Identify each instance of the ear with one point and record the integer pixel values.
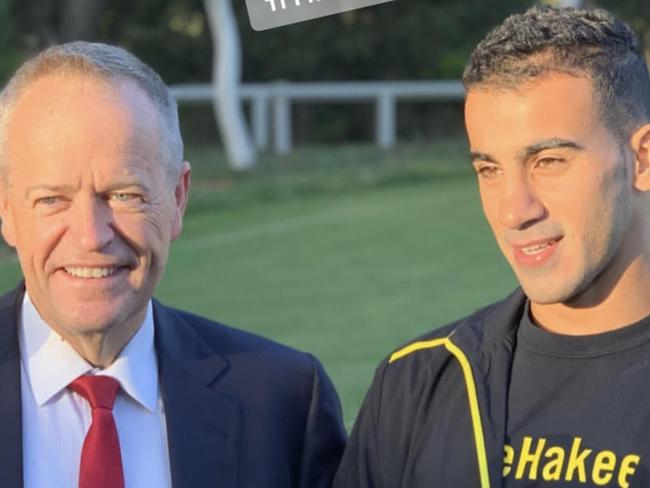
(6, 220)
(181, 192)
(640, 142)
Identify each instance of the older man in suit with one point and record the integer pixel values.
(101, 385)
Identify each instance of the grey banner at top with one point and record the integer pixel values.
(266, 14)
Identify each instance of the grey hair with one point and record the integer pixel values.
(589, 43)
(110, 63)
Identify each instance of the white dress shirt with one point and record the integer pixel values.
(55, 420)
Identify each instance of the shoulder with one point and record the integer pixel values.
(478, 330)
(421, 361)
(423, 350)
(12, 298)
(416, 412)
(283, 395)
(247, 354)
(226, 338)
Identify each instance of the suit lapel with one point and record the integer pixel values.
(11, 442)
(203, 426)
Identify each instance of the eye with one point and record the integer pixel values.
(47, 201)
(487, 171)
(550, 165)
(545, 162)
(123, 197)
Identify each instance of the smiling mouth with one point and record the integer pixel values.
(537, 248)
(90, 273)
(535, 253)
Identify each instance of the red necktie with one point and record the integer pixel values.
(101, 461)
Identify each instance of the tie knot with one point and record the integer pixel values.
(99, 391)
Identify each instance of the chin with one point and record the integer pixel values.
(89, 320)
(89, 325)
(549, 293)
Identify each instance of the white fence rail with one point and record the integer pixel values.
(279, 96)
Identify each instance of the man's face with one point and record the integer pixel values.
(89, 204)
(555, 186)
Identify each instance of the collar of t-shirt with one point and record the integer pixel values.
(536, 339)
(51, 363)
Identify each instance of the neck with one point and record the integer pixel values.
(593, 311)
(101, 350)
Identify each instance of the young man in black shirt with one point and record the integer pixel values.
(548, 387)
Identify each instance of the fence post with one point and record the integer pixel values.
(282, 137)
(385, 125)
(260, 119)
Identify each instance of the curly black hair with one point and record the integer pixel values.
(590, 43)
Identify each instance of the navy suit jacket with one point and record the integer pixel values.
(241, 411)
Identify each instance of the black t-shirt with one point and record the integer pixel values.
(579, 409)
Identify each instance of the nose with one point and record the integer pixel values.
(92, 224)
(520, 206)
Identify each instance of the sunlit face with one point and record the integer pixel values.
(89, 205)
(555, 185)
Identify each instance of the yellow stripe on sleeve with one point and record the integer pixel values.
(416, 346)
(477, 425)
(479, 439)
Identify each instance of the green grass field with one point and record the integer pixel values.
(344, 252)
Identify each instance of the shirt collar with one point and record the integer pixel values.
(51, 363)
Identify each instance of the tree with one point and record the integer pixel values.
(68, 20)
(226, 78)
(80, 19)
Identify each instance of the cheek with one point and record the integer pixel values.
(158, 223)
(594, 214)
(490, 205)
(611, 221)
(145, 232)
(38, 236)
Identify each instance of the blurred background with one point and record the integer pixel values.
(354, 223)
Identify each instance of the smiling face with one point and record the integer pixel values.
(88, 203)
(555, 185)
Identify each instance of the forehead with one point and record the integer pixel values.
(60, 117)
(58, 98)
(554, 106)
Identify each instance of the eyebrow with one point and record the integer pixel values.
(479, 156)
(50, 188)
(552, 143)
(528, 151)
(126, 184)
(65, 189)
